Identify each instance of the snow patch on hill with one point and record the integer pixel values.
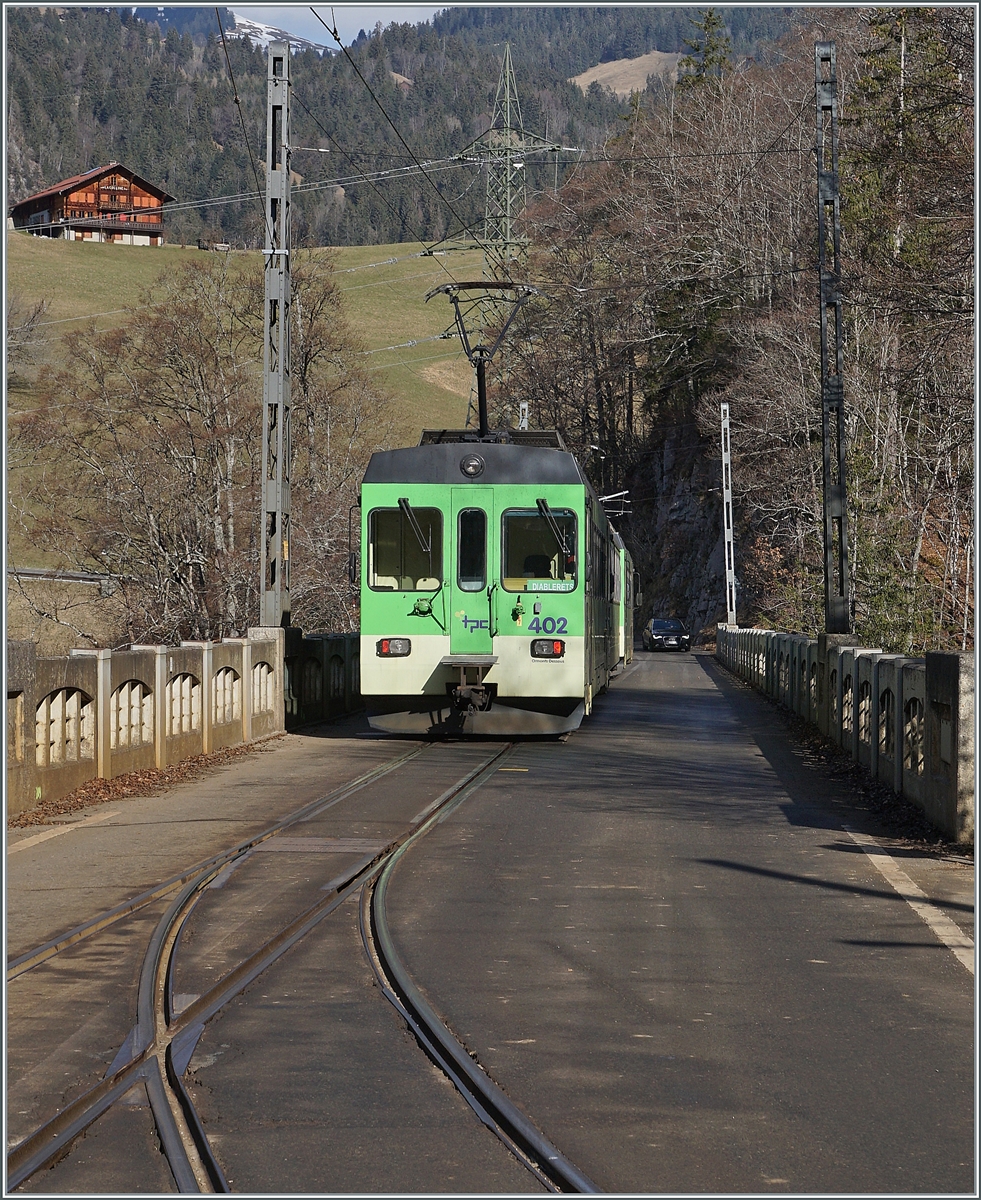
(261, 35)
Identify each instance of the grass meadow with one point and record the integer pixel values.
(383, 289)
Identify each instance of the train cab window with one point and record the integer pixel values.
(471, 554)
(535, 560)
(402, 558)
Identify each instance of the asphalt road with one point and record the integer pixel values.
(659, 940)
(655, 935)
(67, 1018)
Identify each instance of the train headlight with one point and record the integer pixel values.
(393, 647)
(547, 648)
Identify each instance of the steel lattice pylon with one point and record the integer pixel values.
(506, 143)
(502, 150)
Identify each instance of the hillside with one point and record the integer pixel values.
(101, 286)
(90, 86)
(87, 86)
(572, 40)
(383, 288)
(626, 75)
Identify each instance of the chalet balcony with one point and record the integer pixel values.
(109, 203)
(111, 224)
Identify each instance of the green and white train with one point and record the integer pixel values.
(496, 598)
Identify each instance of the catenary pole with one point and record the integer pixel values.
(837, 597)
(276, 450)
(727, 520)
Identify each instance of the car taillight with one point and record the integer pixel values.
(547, 648)
(393, 647)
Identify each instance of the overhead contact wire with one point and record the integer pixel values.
(643, 285)
(442, 164)
(428, 246)
(385, 200)
(464, 225)
(241, 118)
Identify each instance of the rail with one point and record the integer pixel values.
(159, 1048)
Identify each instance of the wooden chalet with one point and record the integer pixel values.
(108, 204)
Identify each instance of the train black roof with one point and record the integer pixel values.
(518, 437)
(502, 463)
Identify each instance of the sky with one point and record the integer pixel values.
(350, 18)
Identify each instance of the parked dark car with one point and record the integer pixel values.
(666, 633)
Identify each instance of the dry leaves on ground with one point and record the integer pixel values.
(137, 783)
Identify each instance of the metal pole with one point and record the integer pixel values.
(837, 594)
(482, 395)
(727, 520)
(274, 607)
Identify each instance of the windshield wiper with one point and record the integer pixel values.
(557, 533)
(410, 516)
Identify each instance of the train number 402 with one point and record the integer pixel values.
(547, 625)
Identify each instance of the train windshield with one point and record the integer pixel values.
(534, 559)
(402, 558)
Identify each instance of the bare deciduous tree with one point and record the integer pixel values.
(681, 273)
(146, 447)
(25, 337)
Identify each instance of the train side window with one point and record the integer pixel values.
(397, 562)
(533, 559)
(471, 555)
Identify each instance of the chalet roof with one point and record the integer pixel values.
(75, 181)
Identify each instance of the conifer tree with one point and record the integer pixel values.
(709, 52)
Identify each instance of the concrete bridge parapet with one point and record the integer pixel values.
(908, 721)
(104, 713)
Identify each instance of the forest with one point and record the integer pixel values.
(681, 274)
(570, 40)
(89, 86)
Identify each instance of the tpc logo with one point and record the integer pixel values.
(472, 623)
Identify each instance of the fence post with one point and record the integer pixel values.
(160, 704)
(949, 718)
(103, 719)
(900, 702)
(246, 645)
(207, 697)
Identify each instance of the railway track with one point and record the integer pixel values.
(158, 1049)
(491, 1105)
(32, 958)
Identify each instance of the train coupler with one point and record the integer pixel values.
(472, 696)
